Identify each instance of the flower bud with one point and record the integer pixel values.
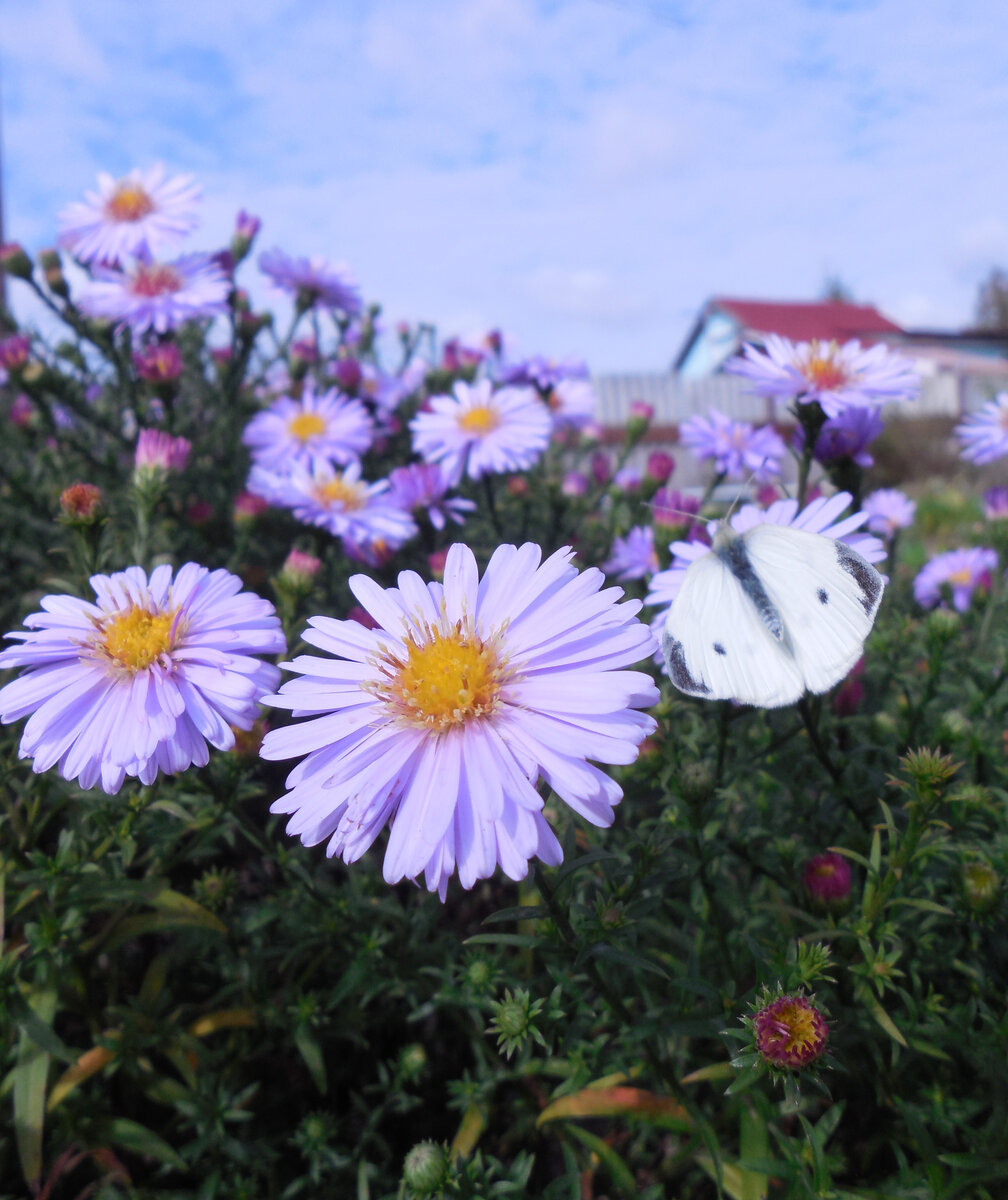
(517, 485)
(981, 886)
(790, 1033)
(80, 504)
(660, 466)
(14, 351)
(248, 506)
(347, 373)
(157, 454)
(299, 570)
(52, 269)
(14, 261)
(245, 231)
(575, 483)
(425, 1170)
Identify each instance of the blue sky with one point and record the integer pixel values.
(580, 173)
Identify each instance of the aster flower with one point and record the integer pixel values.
(984, 434)
(481, 431)
(571, 403)
(141, 215)
(317, 427)
(827, 879)
(421, 487)
(791, 1033)
(362, 515)
(846, 435)
(160, 362)
(157, 295)
(737, 448)
(822, 516)
(441, 720)
(315, 282)
(14, 351)
(838, 377)
(141, 680)
(996, 503)
(962, 571)
(889, 510)
(673, 508)
(541, 372)
(633, 556)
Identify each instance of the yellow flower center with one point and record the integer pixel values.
(448, 678)
(341, 493)
(960, 578)
(306, 425)
(135, 638)
(796, 1024)
(825, 870)
(480, 420)
(822, 370)
(129, 202)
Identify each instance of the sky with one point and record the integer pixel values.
(581, 174)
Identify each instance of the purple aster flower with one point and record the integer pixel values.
(387, 392)
(575, 483)
(157, 295)
(889, 510)
(633, 556)
(846, 436)
(139, 681)
(324, 427)
(421, 487)
(481, 431)
(142, 215)
(838, 377)
(822, 516)
(571, 403)
(962, 571)
(315, 282)
(673, 508)
(362, 515)
(827, 879)
(996, 504)
(984, 434)
(441, 720)
(542, 372)
(738, 449)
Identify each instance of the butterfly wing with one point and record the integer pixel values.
(717, 646)
(827, 596)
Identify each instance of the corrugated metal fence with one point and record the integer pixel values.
(674, 399)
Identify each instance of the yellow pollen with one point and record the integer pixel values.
(338, 491)
(305, 425)
(962, 577)
(448, 679)
(129, 202)
(822, 370)
(135, 638)
(480, 420)
(824, 869)
(797, 1023)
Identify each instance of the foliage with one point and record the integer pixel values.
(195, 1006)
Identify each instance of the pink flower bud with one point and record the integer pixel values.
(660, 466)
(827, 879)
(790, 1032)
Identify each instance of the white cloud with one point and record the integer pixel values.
(584, 174)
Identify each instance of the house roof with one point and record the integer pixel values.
(802, 321)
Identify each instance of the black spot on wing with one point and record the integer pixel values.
(869, 581)
(823, 596)
(735, 557)
(719, 649)
(679, 673)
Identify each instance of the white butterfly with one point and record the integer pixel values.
(768, 615)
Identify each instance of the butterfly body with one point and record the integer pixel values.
(768, 615)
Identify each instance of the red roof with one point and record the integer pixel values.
(831, 320)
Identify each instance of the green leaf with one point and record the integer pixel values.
(311, 1052)
(619, 1172)
(30, 1089)
(131, 1135)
